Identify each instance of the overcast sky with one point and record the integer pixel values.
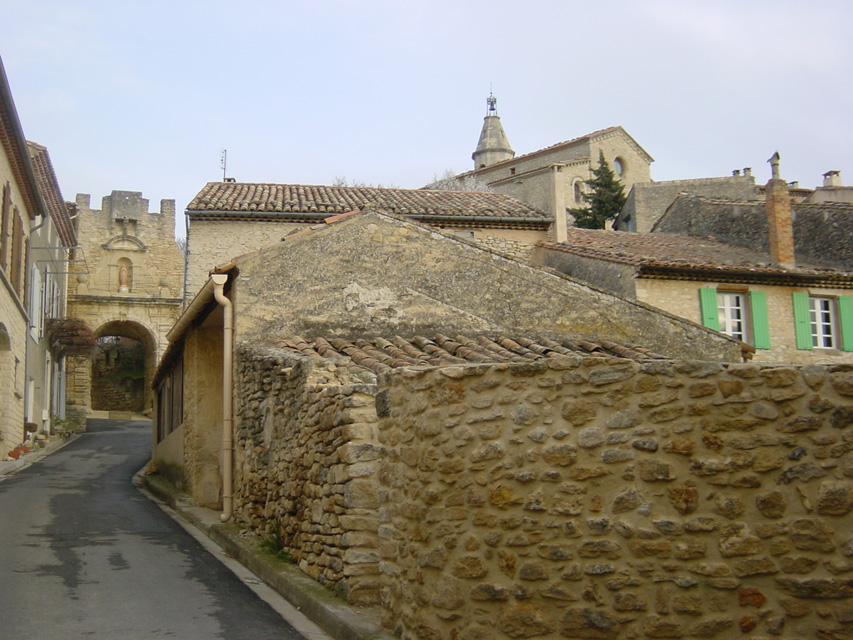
(144, 95)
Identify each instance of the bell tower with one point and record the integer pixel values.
(493, 146)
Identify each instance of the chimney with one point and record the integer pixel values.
(747, 171)
(735, 172)
(779, 217)
(558, 203)
(832, 179)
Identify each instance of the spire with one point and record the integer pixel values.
(493, 145)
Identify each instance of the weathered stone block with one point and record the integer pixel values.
(526, 620)
(834, 498)
(823, 588)
(653, 471)
(589, 624)
(808, 534)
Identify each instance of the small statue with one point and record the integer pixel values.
(122, 280)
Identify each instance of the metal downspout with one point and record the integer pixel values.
(219, 280)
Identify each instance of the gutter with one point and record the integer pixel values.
(213, 289)
(199, 302)
(219, 280)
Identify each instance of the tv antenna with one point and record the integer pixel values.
(224, 162)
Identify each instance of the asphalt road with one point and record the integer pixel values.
(83, 554)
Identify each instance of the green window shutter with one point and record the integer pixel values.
(760, 324)
(708, 303)
(802, 320)
(845, 317)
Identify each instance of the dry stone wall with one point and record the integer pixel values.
(569, 498)
(306, 467)
(582, 499)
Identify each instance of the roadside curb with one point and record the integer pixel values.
(8, 468)
(322, 607)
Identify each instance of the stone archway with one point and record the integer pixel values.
(122, 367)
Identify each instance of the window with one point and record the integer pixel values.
(823, 322)
(170, 400)
(15, 266)
(578, 194)
(731, 308)
(618, 166)
(739, 314)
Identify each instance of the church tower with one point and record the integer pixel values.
(493, 146)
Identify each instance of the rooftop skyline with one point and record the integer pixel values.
(145, 96)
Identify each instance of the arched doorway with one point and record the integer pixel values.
(122, 367)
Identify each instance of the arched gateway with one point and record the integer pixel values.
(127, 291)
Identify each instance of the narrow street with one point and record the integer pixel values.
(85, 555)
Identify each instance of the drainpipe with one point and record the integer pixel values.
(219, 280)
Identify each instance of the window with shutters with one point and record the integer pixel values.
(15, 267)
(739, 314)
(823, 322)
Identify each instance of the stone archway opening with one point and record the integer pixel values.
(122, 367)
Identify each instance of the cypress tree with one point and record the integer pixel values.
(603, 194)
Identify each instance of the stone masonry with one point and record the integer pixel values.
(130, 281)
(572, 497)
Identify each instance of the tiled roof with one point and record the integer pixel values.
(50, 191)
(380, 355)
(675, 251)
(277, 200)
(14, 144)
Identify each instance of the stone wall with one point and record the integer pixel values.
(574, 497)
(306, 467)
(618, 500)
(145, 302)
(647, 201)
(821, 231)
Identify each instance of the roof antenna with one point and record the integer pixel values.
(223, 162)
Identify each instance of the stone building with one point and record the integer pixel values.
(494, 456)
(51, 241)
(366, 275)
(774, 274)
(551, 179)
(228, 219)
(647, 201)
(130, 286)
(34, 233)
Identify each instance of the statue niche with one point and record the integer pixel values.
(125, 275)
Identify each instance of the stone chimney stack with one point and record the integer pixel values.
(832, 179)
(780, 221)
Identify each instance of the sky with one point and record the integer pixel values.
(144, 95)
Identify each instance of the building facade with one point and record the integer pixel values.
(775, 274)
(51, 241)
(22, 208)
(552, 179)
(228, 219)
(128, 286)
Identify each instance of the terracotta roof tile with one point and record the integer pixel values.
(278, 200)
(53, 199)
(385, 354)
